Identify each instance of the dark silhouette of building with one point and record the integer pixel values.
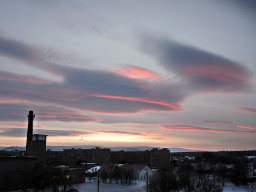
(18, 172)
(130, 156)
(36, 143)
(54, 158)
(73, 157)
(154, 158)
(159, 158)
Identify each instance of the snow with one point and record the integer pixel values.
(229, 187)
(92, 187)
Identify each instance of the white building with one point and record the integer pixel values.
(141, 171)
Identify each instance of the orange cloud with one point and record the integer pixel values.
(138, 73)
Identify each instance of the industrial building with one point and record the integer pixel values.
(36, 143)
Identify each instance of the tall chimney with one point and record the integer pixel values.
(31, 116)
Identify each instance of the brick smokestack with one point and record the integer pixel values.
(31, 117)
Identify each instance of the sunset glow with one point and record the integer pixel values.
(124, 73)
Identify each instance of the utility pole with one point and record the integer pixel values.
(147, 180)
(98, 185)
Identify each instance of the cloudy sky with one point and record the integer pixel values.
(128, 73)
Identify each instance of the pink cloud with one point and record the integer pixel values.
(202, 70)
(21, 132)
(146, 134)
(137, 73)
(166, 131)
(247, 127)
(62, 114)
(119, 132)
(56, 117)
(23, 78)
(48, 93)
(219, 122)
(152, 133)
(159, 138)
(44, 112)
(70, 94)
(221, 73)
(22, 126)
(145, 100)
(13, 101)
(72, 91)
(246, 109)
(66, 133)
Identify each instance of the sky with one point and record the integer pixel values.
(129, 73)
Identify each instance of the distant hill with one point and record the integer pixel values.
(125, 148)
(13, 148)
(174, 150)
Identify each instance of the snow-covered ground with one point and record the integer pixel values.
(230, 187)
(92, 187)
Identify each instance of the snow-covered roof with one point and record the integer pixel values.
(189, 158)
(93, 169)
(251, 157)
(136, 167)
(88, 163)
(61, 167)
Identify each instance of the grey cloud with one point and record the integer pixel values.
(219, 122)
(91, 90)
(21, 132)
(247, 7)
(16, 49)
(79, 97)
(18, 112)
(63, 133)
(248, 109)
(13, 132)
(201, 70)
(201, 129)
(103, 82)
